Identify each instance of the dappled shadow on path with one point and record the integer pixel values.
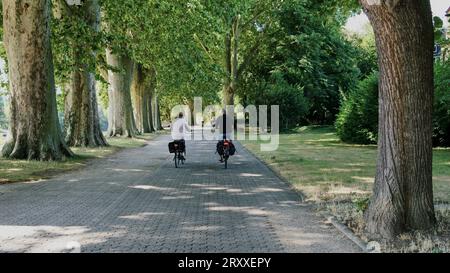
(138, 202)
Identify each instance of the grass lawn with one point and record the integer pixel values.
(22, 170)
(317, 163)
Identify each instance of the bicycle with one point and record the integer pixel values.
(226, 146)
(226, 152)
(178, 148)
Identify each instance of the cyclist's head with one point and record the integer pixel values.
(180, 115)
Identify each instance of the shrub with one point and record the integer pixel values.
(293, 104)
(441, 117)
(357, 121)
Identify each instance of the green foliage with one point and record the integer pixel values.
(361, 204)
(74, 41)
(292, 53)
(294, 106)
(305, 57)
(335, 11)
(438, 30)
(365, 53)
(440, 37)
(357, 121)
(441, 117)
(103, 95)
(161, 35)
(60, 99)
(310, 54)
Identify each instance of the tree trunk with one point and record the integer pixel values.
(228, 95)
(120, 113)
(151, 94)
(34, 125)
(157, 113)
(403, 193)
(228, 92)
(231, 62)
(141, 95)
(137, 96)
(82, 126)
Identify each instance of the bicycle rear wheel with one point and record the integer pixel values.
(176, 159)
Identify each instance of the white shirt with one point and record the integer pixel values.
(179, 128)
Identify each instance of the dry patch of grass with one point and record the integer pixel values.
(23, 170)
(339, 177)
(434, 241)
(319, 165)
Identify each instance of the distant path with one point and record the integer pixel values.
(136, 201)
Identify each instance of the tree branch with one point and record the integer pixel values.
(257, 15)
(203, 46)
(250, 21)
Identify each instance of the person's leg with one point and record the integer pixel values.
(184, 149)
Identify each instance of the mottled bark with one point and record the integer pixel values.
(120, 112)
(403, 194)
(142, 89)
(82, 126)
(34, 125)
(228, 94)
(150, 119)
(156, 113)
(232, 67)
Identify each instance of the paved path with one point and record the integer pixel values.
(135, 201)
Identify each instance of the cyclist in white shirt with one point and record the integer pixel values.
(179, 129)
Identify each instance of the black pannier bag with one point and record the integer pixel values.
(232, 148)
(172, 148)
(220, 147)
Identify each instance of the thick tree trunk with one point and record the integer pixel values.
(34, 125)
(137, 97)
(120, 113)
(403, 194)
(141, 95)
(82, 126)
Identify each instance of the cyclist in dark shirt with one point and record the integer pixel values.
(224, 128)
